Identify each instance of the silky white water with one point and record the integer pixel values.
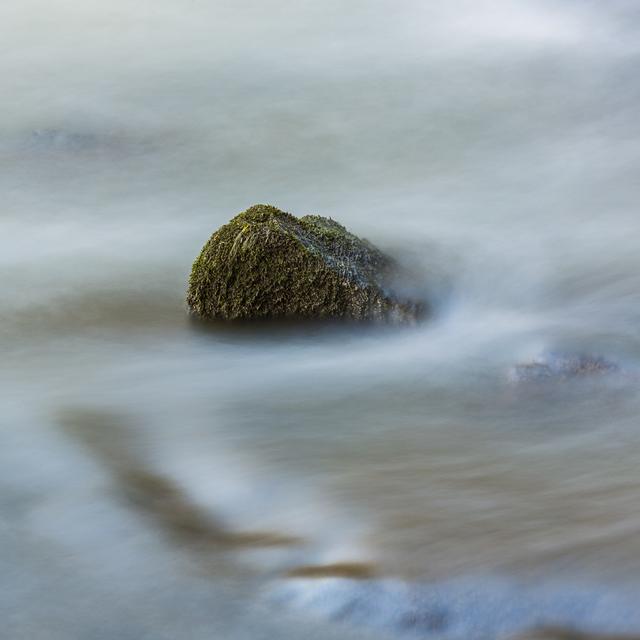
(164, 479)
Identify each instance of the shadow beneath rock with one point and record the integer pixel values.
(283, 330)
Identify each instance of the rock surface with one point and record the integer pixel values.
(268, 264)
(554, 367)
(559, 633)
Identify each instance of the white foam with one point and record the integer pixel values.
(462, 609)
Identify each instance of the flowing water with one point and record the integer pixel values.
(162, 479)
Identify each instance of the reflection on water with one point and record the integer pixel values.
(151, 492)
(264, 481)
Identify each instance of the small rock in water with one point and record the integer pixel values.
(61, 140)
(556, 367)
(559, 633)
(268, 264)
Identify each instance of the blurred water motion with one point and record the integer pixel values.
(157, 475)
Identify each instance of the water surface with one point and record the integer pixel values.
(159, 476)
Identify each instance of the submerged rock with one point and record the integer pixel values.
(266, 264)
(555, 367)
(61, 140)
(561, 633)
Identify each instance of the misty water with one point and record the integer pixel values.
(163, 479)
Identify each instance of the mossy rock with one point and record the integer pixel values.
(268, 264)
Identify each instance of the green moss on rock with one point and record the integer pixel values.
(267, 264)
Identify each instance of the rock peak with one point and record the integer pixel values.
(266, 264)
